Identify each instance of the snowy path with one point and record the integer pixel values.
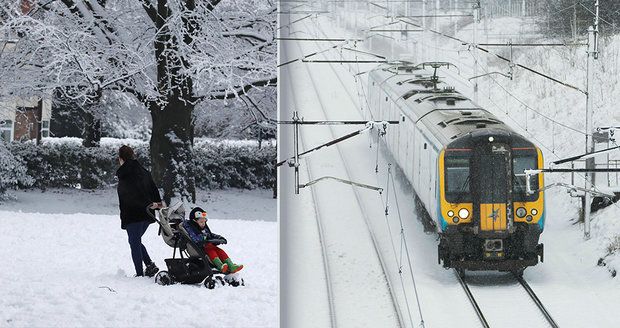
(74, 269)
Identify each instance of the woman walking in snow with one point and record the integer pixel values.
(136, 190)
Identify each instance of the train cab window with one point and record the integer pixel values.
(520, 164)
(457, 179)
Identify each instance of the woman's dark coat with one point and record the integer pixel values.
(136, 190)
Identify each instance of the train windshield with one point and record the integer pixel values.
(520, 164)
(457, 179)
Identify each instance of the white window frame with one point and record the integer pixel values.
(11, 129)
(47, 129)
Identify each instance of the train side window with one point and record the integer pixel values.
(425, 145)
(386, 98)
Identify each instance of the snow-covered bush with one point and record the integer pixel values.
(222, 166)
(12, 172)
(58, 163)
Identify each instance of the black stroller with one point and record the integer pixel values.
(193, 265)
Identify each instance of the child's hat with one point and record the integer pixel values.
(197, 213)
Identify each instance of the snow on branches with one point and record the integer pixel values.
(82, 47)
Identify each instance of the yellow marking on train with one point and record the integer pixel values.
(493, 217)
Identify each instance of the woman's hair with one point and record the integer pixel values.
(126, 153)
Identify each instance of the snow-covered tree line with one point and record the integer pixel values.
(571, 18)
(169, 55)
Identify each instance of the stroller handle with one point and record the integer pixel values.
(149, 213)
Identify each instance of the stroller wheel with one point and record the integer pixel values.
(213, 282)
(163, 278)
(234, 280)
(209, 282)
(220, 281)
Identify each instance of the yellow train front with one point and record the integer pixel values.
(487, 219)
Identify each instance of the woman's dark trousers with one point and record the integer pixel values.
(138, 252)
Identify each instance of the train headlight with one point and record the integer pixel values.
(463, 213)
(521, 212)
(529, 218)
(534, 211)
(450, 213)
(455, 219)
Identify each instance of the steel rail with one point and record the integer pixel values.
(472, 300)
(357, 196)
(322, 240)
(536, 300)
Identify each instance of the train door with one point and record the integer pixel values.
(399, 147)
(425, 175)
(432, 166)
(491, 187)
(414, 155)
(409, 151)
(417, 171)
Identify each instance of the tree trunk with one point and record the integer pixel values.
(89, 177)
(92, 130)
(172, 150)
(172, 134)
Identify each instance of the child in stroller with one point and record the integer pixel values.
(199, 232)
(194, 265)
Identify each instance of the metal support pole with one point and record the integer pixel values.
(589, 142)
(596, 31)
(296, 150)
(592, 55)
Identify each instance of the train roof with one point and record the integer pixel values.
(448, 114)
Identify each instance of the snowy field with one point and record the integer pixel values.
(576, 291)
(66, 263)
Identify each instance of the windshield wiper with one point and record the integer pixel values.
(462, 193)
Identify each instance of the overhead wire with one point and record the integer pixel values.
(527, 106)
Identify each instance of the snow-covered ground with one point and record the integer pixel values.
(574, 289)
(66, 263)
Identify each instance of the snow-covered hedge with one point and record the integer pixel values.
(59, 162)
(12, 172)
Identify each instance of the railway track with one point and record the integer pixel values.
(532, 295)
(323, 224)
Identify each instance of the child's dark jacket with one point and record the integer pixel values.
(201, 236)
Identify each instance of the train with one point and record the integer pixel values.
(466, 168)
